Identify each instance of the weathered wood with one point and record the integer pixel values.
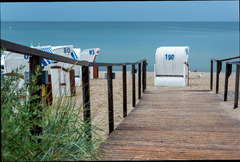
(227, 74)
(34, 63)
(35, 53)
(124, 76)
(236, 86)
(160, 129)
(86, 101)
(110, 99)
(211, 75)
(144, 75)
(49, 91)
(72, 82)
(114, 64)
(139, 81)
(95, 72)
(219, 68)
(14, 47)
(133, 87)
(230, 96)
(232, 58)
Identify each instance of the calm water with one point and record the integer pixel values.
(132, 41)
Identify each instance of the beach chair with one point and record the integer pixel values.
(89, 55)
(11, 61)
(171, 67)
(15, 60)
(78, 69)
(60, 72)
(46, 63)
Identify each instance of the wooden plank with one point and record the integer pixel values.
(175, 125)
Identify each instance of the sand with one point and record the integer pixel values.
(99, 100)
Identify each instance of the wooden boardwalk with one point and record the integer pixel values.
(230, 96)
(175, 125)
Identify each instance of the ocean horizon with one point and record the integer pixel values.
(127, 41)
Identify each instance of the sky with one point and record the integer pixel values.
(121, 11)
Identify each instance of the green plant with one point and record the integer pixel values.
(63, 135)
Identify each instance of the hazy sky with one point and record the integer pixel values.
(121, 11)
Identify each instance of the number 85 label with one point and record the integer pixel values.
(169, 56)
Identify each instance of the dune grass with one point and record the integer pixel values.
(64, 135)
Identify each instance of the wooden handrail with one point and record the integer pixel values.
(17, 48)
(219, 68)
(227, 59)
(227, 75)
(35, 60)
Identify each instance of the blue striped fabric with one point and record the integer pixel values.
(74, 55)
(45, 62)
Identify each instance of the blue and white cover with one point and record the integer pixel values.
(45, 62)
(74, 55)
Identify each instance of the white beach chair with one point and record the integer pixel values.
(60, 75)
(15, 60)
(12, 61)
(171, 67)
(45, 62)
(63, 51)
(89, 55)
(60, 78)
(78, 69)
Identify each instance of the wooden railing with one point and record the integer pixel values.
(35, 60)
(219, 68)
(227, 74)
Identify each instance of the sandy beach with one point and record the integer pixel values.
(99, 100)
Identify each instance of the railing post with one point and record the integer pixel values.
(145, 71)
(133, 86)
(34, 62)
(86, 101)
(219, 68)
(144, 76)
(124, 76)
(139, 81)
(227, 74)
(49, 91)
(211, 75)
(72, 82)
(236, 86)
(110, 99)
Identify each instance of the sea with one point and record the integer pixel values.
(132, 41)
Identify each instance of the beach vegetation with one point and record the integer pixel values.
(63, 135)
